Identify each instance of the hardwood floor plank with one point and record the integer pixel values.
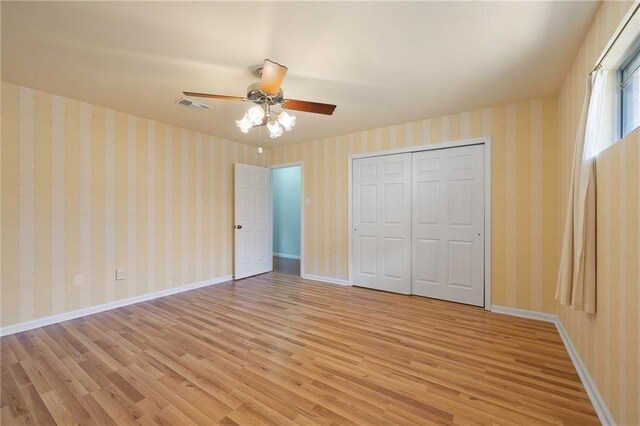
(116, 405)
(11, 396)
(278, 349)
(37, 410)
(98, 414)
(58, 409)
(64, 390)
(171, 416)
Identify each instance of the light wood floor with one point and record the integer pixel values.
(276, 349)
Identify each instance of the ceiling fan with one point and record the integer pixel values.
(267, 93)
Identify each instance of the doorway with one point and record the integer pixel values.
(287, 219)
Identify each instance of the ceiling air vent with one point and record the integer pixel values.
(192, 104)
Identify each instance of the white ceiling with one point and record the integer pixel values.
(381, 63)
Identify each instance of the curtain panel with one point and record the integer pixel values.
(577, 274)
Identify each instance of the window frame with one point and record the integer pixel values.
(632, 61)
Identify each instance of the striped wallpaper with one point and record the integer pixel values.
(608, 342)
(524, 205)
(86, 189)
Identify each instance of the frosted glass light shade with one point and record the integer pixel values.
(275, 130)
(256, 114)
(244, 124)
(287, 120)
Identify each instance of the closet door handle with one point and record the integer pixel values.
(238, 226)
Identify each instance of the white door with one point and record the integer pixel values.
(382, 223)
(448, 224)
(252, 214)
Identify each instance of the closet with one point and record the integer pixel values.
(418, 223)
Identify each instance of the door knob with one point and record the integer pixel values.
(238, 226)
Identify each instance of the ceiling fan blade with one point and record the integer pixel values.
(306, 106)
(209, 95)
(272, 75)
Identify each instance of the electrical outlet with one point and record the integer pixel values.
(121, 274)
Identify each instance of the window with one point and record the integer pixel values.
(630, 96)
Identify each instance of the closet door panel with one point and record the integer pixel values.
(448, 224)
(382, 223)
(418, 223)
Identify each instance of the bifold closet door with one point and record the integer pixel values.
(382, 223)
(448, 224)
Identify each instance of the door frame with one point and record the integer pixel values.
(486, 142)
(302, 204)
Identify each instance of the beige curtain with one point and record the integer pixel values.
(577, 274)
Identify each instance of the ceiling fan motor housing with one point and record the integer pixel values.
(255, 94)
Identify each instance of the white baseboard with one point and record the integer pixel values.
(286, 256)
(41, 322)
(602, 410)
(323, 279)
(605, 416)
(541, 316)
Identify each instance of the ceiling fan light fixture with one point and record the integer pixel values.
(266, 94)
(275, 130)
(287, 120)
